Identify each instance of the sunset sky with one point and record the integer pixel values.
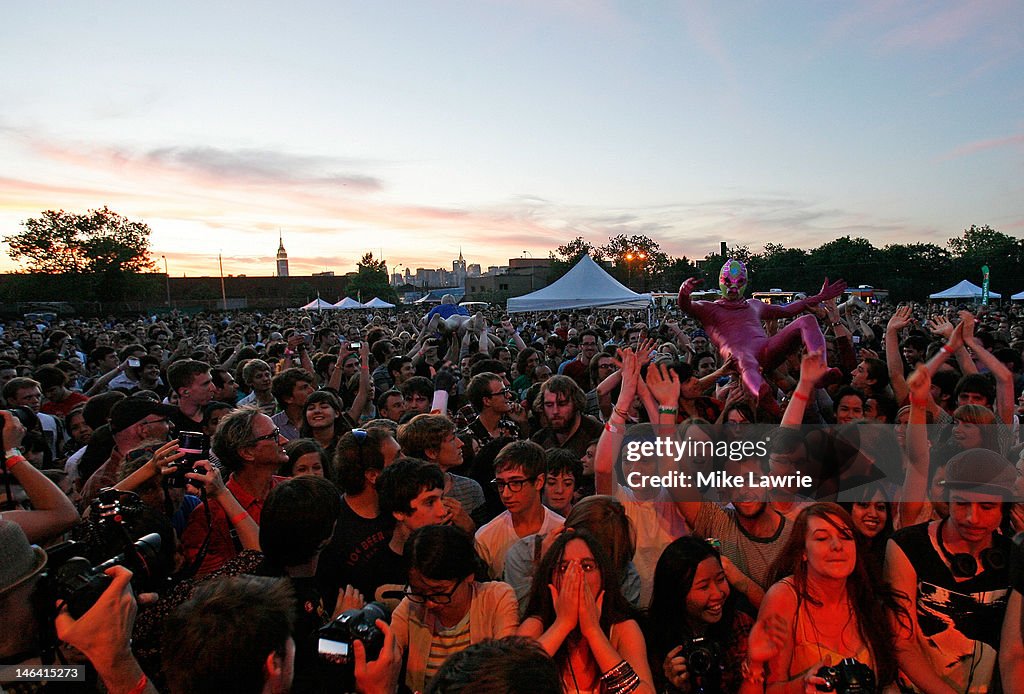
(507, 128)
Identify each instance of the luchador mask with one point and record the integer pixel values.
(733, 279)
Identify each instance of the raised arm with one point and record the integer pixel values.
(363, 393)
(610, 441)
(1003, 405)
(52, 511)
(812, 368)
(915, 482)
(893, 360)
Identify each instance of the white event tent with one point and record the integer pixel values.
(317, 304)
(586, 285)
(964, 290)
(348, 303)
(377, 302)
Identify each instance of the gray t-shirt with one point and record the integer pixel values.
(754, 556)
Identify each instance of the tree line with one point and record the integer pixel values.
(104, 254)
(909, 271)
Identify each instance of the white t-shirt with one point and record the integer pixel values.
(657, 522)
(494, 539)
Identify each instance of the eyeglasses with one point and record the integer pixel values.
(504, 391)
(588, 566)
(514, 486)
(436, 598)
(272, 436)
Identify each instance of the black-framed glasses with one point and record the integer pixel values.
(514, 486)
(436, 598)
(504, 391)
(272, 436)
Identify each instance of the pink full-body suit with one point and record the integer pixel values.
(734, 325)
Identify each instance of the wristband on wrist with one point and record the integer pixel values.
(13, 460)
(668, 410)
(797, 395)
(140, 686)
(13, 452)
(608, 426)
(948, 350)
(919, 402)
(238, 517)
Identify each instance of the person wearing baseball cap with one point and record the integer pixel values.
(132, 421)
(956, 574)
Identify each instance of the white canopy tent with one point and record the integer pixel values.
(964, 290)
(348, 303)
(317, 305)
(1019, 296)
(586, 285)
(377, 302)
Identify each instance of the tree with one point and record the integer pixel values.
(100, 242)
(985, 246)
(565, 257)
(370, 280)
(638, 259)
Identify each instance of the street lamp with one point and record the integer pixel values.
(167, 277)
(630, 257)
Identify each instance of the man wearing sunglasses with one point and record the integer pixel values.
(250, 447)
(519, 478)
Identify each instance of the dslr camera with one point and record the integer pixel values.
(850, 676)
(75, 570)
(337, 636)
(703, 663)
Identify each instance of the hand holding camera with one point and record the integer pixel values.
(207, 477)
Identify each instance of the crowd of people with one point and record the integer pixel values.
(445, 502)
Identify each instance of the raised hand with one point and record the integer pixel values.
(663, 382)
(900, 319)
(940, 325)
(813, 367)
(830, 291)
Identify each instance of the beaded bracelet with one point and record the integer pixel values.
(620, 679)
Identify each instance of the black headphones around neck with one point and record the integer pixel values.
(964, 565)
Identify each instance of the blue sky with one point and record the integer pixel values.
(417, 128)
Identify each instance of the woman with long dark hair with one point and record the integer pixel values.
(580, 618)
(692, 613)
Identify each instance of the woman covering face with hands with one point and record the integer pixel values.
(579, 617)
